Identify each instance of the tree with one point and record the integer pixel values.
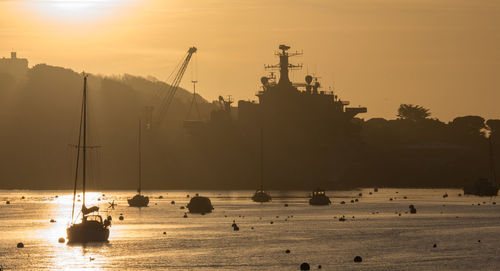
(413, 112)
(469, 125)
(493, 127)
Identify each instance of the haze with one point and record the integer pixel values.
(441, 54)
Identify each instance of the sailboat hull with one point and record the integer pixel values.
(138, 201)
(87, 232)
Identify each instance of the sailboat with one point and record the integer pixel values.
(139, 200)
(91, 228)
(484, 186)
(260, 195)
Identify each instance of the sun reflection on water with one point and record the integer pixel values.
(64, 256)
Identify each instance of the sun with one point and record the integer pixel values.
(77, 10)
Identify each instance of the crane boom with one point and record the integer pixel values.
(167, 100)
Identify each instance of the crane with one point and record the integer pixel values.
(172, 88)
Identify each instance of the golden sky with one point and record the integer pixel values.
(442, 54)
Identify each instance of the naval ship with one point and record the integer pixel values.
(312, 135)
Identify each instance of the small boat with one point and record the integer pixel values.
(484, 187)
(139, 200)
(319, 197)
(92, 227)
(200, 205)
(260, 195)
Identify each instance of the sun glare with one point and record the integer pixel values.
(77, 10)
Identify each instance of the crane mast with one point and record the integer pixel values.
(167, 100)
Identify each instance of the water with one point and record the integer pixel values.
(385, 240)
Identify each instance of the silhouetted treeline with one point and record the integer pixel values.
(417, 151)
(39, 118)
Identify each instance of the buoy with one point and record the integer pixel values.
(121, 217)
(20, 245)
(305, 266)
(358, 259)
(61, 240)
(52, 221)
(287, 251)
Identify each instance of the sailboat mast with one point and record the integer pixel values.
(261, 159)
(84, 133)
(77, 158)
(140, 157)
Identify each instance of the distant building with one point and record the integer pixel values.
(13, 65)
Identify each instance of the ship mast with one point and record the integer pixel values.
(261, 159)
(284, 66)
(492, 162)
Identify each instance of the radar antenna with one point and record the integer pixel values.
(284, 65)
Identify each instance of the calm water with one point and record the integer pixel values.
(385, 240)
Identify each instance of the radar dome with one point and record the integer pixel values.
(309, 79)
(264, 80)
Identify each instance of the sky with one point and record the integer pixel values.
(441, 54)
